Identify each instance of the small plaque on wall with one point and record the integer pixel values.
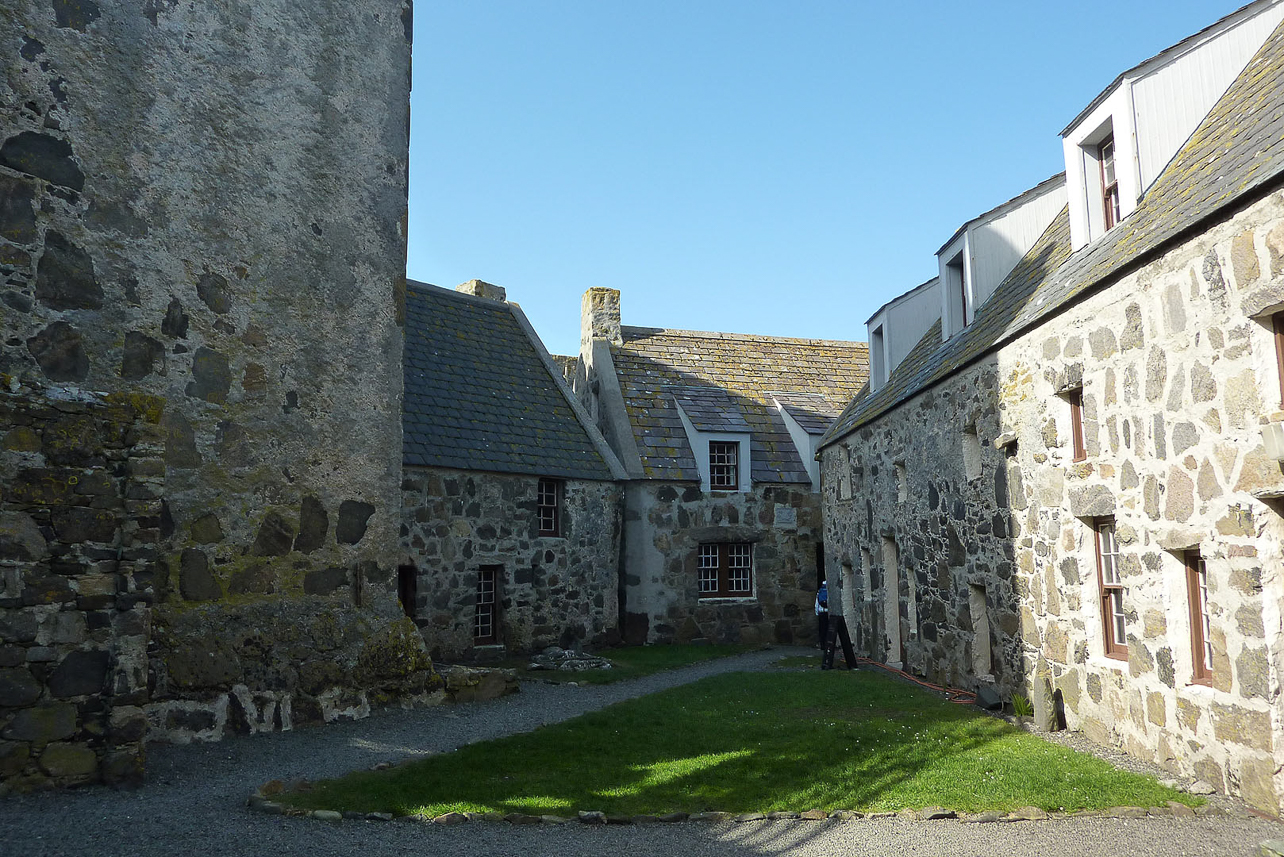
(786, 517)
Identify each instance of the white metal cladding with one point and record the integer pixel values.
(1170, 101)
(999, 243)
(904, 321)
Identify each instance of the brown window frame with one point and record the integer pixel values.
(548, 506)
(1110, 590)
(718, 558)
(1277, 326)
(729, 467)
(1201, 649)
(1075, 398)
(1109, 189)
(486, 605)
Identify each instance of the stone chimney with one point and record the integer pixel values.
(480, 289)
(600, 316)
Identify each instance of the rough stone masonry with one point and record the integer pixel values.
(202, 219)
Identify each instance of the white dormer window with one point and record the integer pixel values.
(718, 435)
(957, 299)
(877, 359)
(1109, 182)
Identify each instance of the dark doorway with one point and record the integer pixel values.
(408, 588)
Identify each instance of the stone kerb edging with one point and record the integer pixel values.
(261, 801)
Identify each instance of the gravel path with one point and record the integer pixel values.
(194, 802)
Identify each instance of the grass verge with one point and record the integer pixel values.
(632, 662)
(744, 742)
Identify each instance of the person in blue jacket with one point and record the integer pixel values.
(822, 611)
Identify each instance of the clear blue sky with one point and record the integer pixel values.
(776, 168)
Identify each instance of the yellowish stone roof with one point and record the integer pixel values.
(657, 367)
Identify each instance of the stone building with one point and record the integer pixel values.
(717, 433)
(511, 515)
(1073, 489)
(201, 285)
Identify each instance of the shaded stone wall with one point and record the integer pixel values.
(206, 203)
(79, 519)
(1177, 369)
(666, 523)
(554, 590)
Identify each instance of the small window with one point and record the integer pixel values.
(956, 276)
(902, 483)
(978, 606)
(1197, 590)
(844, 473)
(971, 453)
(877, 359)
(548, 506)
(408, 589)
(486, 611)
(724, 465)
(725, 570)
(1075, 398)
(1112, 591)
(1109, 183)
(1277, 324)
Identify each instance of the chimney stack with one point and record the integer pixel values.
(480, 289)
(600, 317)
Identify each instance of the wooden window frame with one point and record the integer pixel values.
(724, 570)
(1075, 397)
(1200, 621)
(1110, 590)
(548, 506)
(1277, 327)
(726, 454)
(1109, 189)
(486, 605)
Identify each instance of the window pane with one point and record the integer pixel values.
(739, 560)
(708, 566)
(1117, 609)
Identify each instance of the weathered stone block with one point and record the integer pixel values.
(81, 673)
(196, 582)
(43, 724)
(43, 156)
(1240, 725)
(69, 761)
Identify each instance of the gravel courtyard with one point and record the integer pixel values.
(194, 802)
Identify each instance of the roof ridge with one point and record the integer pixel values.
(745, 337)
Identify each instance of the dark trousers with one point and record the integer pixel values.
(822, 619)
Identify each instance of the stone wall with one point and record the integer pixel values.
(554, 590)
(79, 523)
(206, 203)
(1178, 373)
(666, 523)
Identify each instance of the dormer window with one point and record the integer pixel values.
(957, 285)
(724, 465)
(719, 437)
(1109, 182)
(958, 299)
(877, 359)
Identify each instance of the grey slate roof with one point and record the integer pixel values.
(478, 396)
(709, 409)
(811, 411)
(1236, 152)
(651, 362)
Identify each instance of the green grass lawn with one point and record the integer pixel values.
(744, 742)
(632, 662)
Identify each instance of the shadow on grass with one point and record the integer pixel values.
(746, 742)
